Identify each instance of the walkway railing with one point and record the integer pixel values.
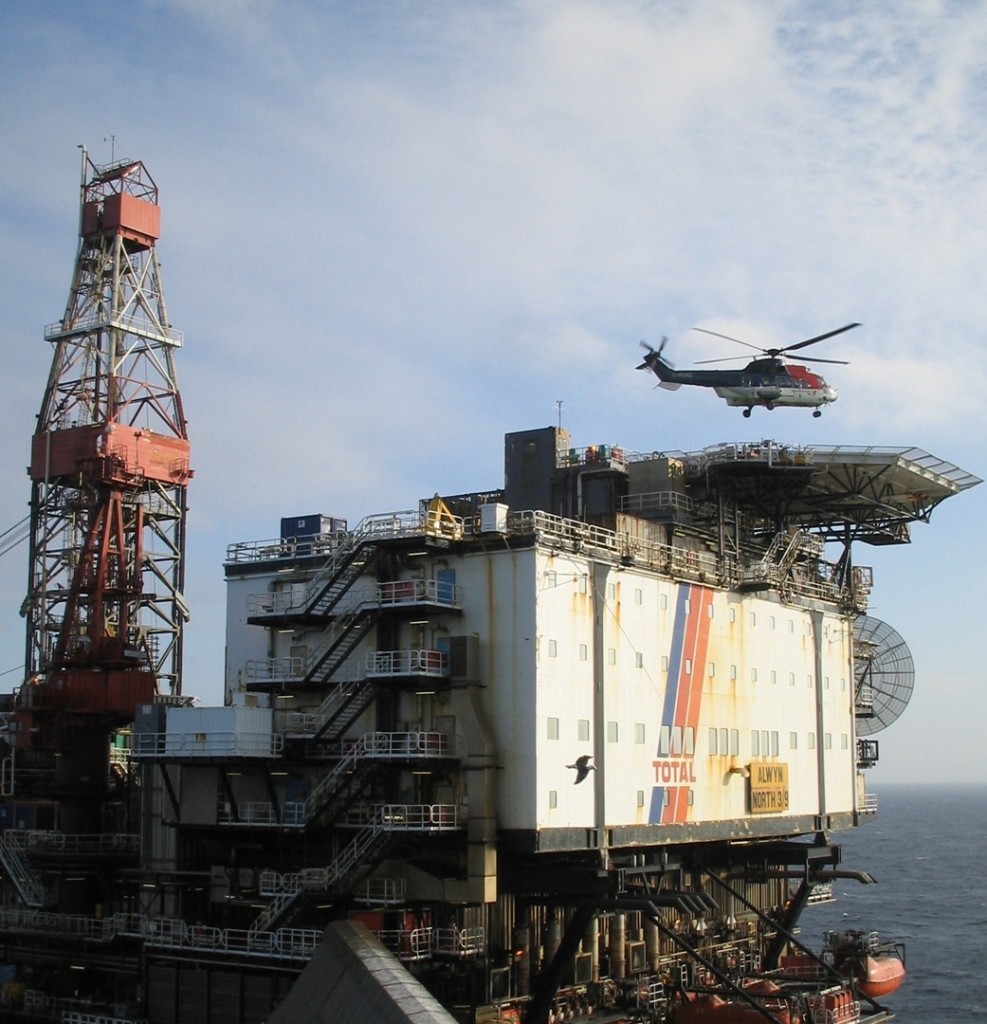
(623, 547)
(208, 744)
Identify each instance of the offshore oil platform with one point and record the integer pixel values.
(581, 745)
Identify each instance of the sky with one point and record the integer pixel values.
(394, 231)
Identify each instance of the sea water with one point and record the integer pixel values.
(926, 847)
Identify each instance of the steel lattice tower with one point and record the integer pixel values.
(109, 472)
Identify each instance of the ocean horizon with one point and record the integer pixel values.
(920, 847)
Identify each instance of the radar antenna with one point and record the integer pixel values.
(884, 675)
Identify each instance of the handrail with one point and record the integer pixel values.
(676, 561)
(36, 840)
(210, 744)
(380, 664)
(98, 320)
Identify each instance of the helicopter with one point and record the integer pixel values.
(767, 381)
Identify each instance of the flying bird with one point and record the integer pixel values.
(583, 768)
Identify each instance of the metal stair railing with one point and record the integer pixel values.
(32, 892)
(337, 712)
(342, 641)
(360, 853)
(357, 853)
(335, 579)
(343, 773)
(368, 748)
(274, 910)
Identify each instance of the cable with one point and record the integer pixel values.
(15, 535)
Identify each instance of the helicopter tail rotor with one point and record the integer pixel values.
(653, 353)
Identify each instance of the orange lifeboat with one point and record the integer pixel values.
(877, 968)
(880, 975)
(713, 1009)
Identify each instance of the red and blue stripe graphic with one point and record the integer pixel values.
(683, 697)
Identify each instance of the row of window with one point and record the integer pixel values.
(553, 798)
(678, 741)
(582, 586)
(553, 652)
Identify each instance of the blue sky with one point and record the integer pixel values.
(392, 232)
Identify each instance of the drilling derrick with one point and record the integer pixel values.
(109, 471)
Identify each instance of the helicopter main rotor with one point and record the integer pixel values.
(776, 353)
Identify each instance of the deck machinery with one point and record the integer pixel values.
(406, 699)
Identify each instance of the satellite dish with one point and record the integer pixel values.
(884, 675)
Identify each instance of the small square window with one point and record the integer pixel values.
(639, 597)
(582, 730)
(583, 652)
(611, 732)
(639, 660)
(639, 732)
(611, 655)
(793, 740)
(553, 648)
(553, 728)
(553, 799)
(712, 741)
(812, 741)
(640, 798)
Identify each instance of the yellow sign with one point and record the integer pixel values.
(768, 787)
